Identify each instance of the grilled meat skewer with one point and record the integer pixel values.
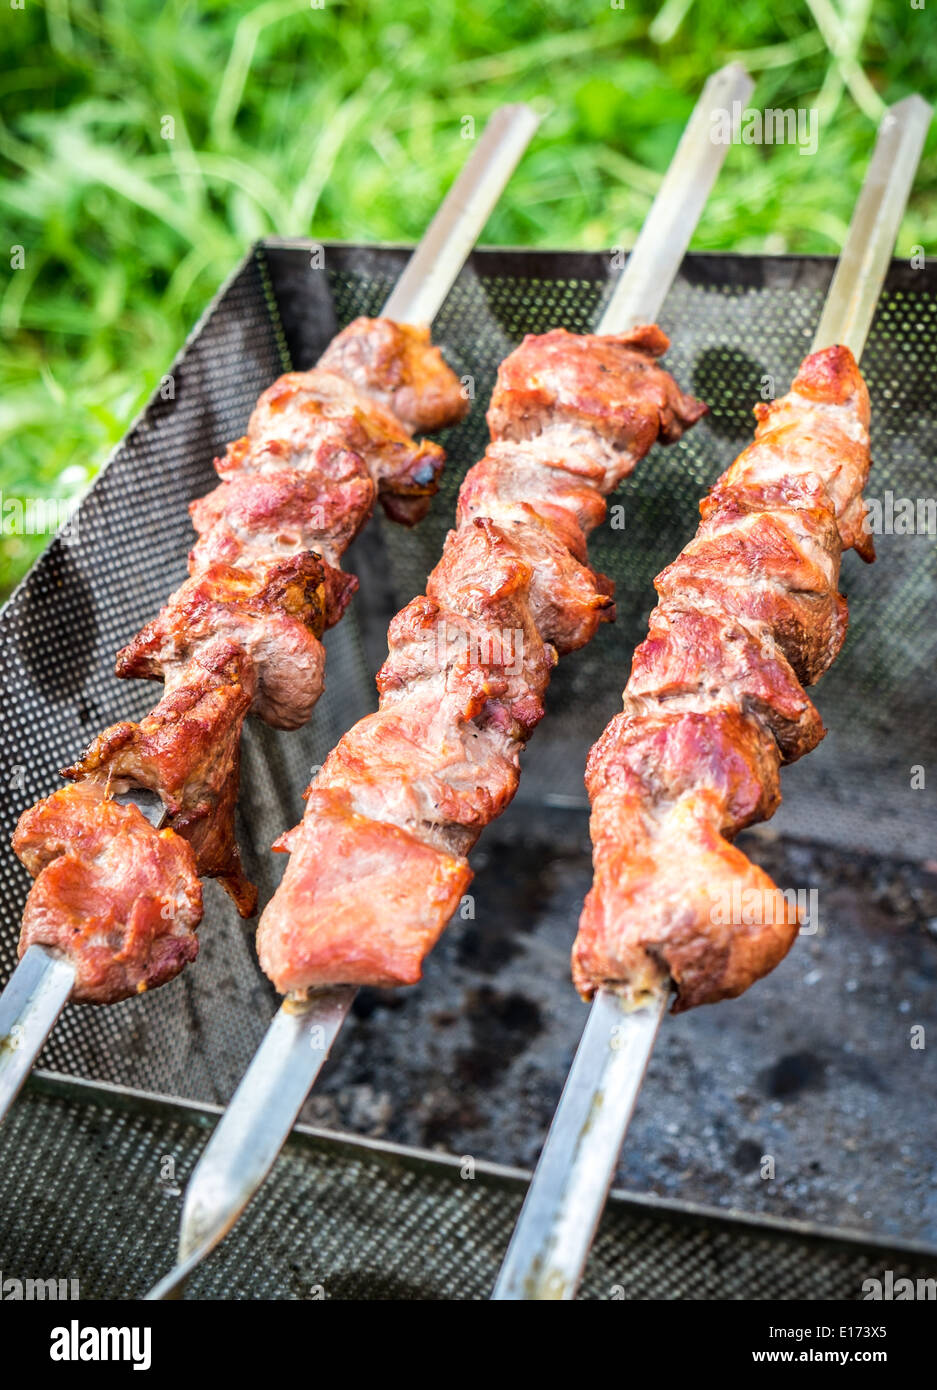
(117, 897)
(750, 613)
(241, 635)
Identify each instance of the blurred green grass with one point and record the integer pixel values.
(344, 121)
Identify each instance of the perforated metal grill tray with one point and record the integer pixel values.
(814, 1067)
(342, 1219)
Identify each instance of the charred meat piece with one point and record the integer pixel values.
(277, 625)
(265, 572)
(378, 936)
(692, 658)
(256, 518)
(608, 386)
(668, 792)
(566, 486)
(305, 415)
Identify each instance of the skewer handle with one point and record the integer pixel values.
(435, 264)
(665, 236)
(558, 1221)
(853, 295)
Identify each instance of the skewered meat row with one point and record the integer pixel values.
(378, 863)
(749, 614)
(241, 635)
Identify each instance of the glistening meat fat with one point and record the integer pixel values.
(378, 863)
(120, 899)
(749, 614)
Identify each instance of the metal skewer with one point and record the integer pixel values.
(564, 1202)
(249, 1135)
(39, 987)
(434, 266)
(665, 236)
(863, 263)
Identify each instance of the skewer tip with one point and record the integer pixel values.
(734, 78)
(911, 106)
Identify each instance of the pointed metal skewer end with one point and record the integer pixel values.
(560, 1215)
(255, 1126)
(34, 996)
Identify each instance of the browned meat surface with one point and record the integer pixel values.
(264, 573)
(378, 862)
(254, 519)
(749, 613)
(377, 937)
(608, 386)
(304, 416)
(243, 632)
(397, 366)
(115, 897)
(188, 752)
(277, 626)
